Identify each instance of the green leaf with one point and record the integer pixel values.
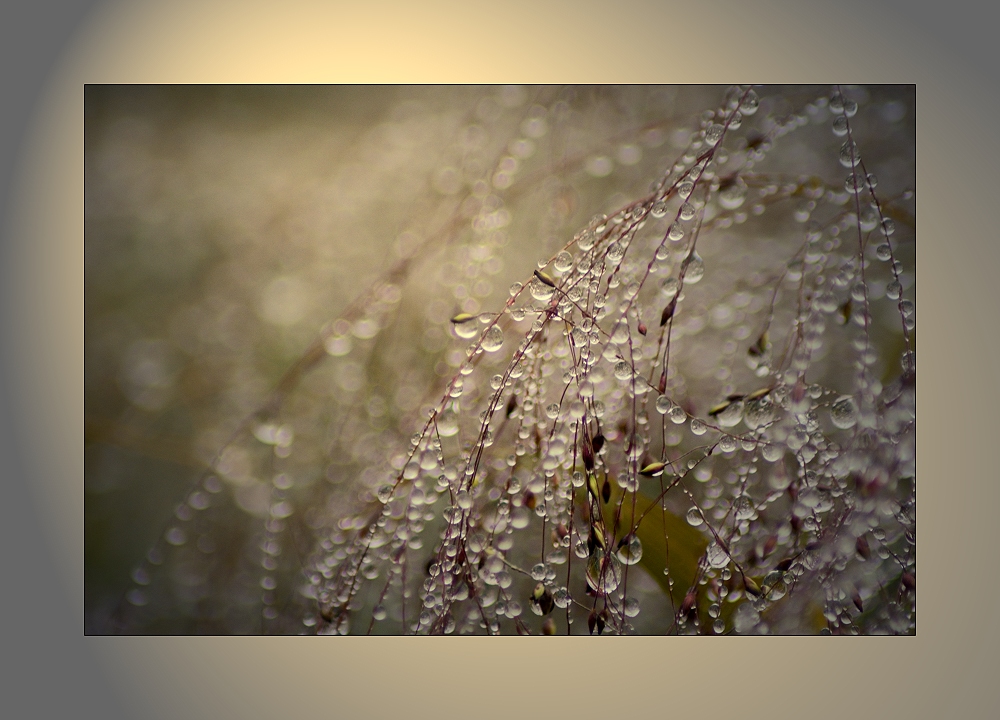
(667, 542)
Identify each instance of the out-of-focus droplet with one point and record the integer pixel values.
(844, 413)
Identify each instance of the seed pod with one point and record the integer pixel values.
(592, 622)
(728, 181)
(689, 603)
(642, 328)
(756, 141)
(661, 387)
(462, 318)
(668, 312)
(593, 487)
(798, 391)
(864, 551)
(716, 409)
(597, 535)
(597, 442)
(909, 582)
(549, 626)
(856, 599)
(511, 405)
(529, 500)
(654, 469)
(545, 279)
(784, 565)
(587, 453)
(606, 491)
(541, 600)
(845, 312)
(769, 545)
(759, 347)
(751, 586)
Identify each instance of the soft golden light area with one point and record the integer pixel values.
(948, 670)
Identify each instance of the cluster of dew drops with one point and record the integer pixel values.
(631, 377)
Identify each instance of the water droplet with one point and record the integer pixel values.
(623, 371)
(844, 413)
(727, 444)
(631, 607)
(849, 154)
(840, 126)
(540, 290)
(563, 261)
(883, 252)
(465, 326)
(759, 411)
(716, 556)
(630, 550)
(772, 452)
(604, 573)
(694, 517)
(713, 134)
(698, 427)
(662, 404)
(686, 212)
(621, 335)
(561, 597)
(743, 507)
(492, 339)
(893, 290)
(730, 415)
(677, 415)
(773, 586)
(695, 269)
(750, 103)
